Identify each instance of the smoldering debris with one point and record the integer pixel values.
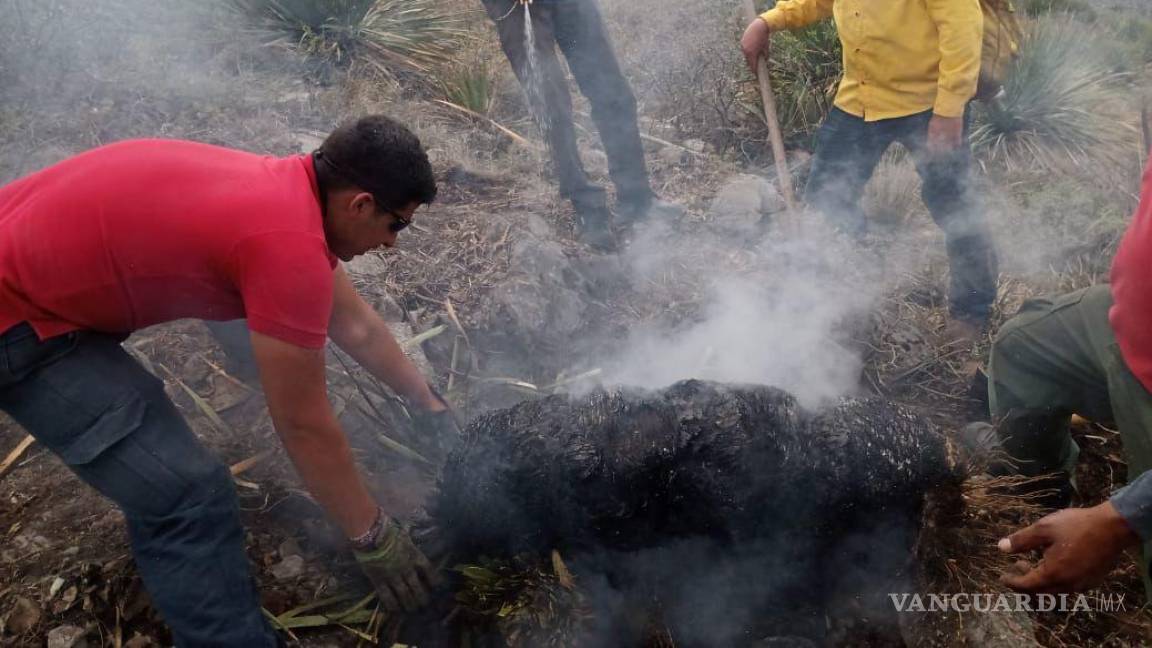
(720, 513)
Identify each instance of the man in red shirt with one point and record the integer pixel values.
(143, 232)
(1088, 353)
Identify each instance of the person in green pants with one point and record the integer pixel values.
(1087, 353)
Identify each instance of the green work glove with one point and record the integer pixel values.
(399, 571)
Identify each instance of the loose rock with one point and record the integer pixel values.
(288, 568)
(67, 636)
(742, 203)
(24, 616)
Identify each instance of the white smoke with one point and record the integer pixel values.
(785, 320)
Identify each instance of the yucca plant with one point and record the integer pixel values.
(469, 85)
(1058, 112)
(383, 34)
(806, 66)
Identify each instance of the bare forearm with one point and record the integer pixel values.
(381, 356)
(324, 461)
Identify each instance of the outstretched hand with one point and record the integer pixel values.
(754, 43)
(1080, 546)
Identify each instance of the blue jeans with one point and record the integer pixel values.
(85, 399)
(847, 152)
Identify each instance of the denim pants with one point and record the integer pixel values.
(578, 29)
(847, 152)
(108, 419)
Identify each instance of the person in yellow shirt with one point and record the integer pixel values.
(910, 69)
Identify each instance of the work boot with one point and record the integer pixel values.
(629, 213)
(595, 225)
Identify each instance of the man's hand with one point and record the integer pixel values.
(399, 571)
(1080, 546)
(755, 43)
(945, 134)
(438, 426)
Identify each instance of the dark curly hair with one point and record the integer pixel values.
(380, 156)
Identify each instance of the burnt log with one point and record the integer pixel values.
(730, 509)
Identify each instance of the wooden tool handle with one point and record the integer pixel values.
(773, 121)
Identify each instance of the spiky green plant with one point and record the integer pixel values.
(1058, 112)
(469, 85)
(806, 66)
(383, 34)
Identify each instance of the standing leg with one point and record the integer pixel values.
(581, 36)
(948, 193)
(109, 420)
(549, 96)
(847, 152)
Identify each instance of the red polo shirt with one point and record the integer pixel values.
(1131, 314)
(147, 231)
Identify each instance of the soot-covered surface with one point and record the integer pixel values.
(728, 508)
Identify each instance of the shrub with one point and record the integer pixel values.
(893, 192)
(1059, 109)
(1135, 39)
(806, 66)
(685, 68)
(1079, 8)
(469, 85)
(383, 34)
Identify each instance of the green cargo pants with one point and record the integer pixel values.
(1059, 357)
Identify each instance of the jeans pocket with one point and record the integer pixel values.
(78, 435)
(79, 398)
(24, 352)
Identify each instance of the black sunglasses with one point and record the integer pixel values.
(398, 222)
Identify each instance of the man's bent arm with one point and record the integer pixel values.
(359, 330)
(295, 385)
(960, 24)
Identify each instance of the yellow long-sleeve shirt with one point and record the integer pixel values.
(901, 57)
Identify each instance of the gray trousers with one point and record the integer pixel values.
(575, 26)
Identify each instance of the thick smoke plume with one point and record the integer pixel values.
(786, 320)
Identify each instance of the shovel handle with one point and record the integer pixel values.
(770, 117)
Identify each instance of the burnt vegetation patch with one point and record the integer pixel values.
(727, 511)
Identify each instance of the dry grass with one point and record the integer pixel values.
(893, 193)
